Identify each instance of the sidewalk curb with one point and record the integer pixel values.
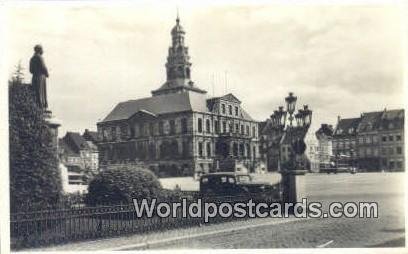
(171, 239)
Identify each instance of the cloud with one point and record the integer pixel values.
(341, 60)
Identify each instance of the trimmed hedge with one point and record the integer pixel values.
(34, 173)
(112, 186)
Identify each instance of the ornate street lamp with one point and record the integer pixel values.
(290, 106)
(281, 116)
(299, 118)
(307, 116)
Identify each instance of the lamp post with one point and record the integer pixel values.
(292, 190)
(278, 119)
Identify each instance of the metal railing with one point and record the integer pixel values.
(30, 229)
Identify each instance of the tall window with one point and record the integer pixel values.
(241, 150)
(216, 127)
(186, 151)
(237, 128)
(113, 133)
(151, 129)
(235, 149)
(161, 128)
(224, 127)
(223, 108)
(253, 131)
(242, 129)
(207, 126)
(247, 130)
(236, 111)
(200, 125)
(123, 131)
(142, 129)
(208, 149)
(230, 109)
(399, 150)
(172, 127)
(200, 149)
(184, 125)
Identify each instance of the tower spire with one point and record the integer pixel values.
(178, 65)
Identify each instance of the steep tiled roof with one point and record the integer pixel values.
(90, 135)
(161, 104)
(177, 85)
(325, 129)
(369, 121)
(392, 119)
(75, 141)
(245, 115)
(393, 114)
(164, 104)
(65, 149)
(347, 126)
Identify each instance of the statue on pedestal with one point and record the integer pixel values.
(40, 74)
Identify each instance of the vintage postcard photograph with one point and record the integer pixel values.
(215, 125)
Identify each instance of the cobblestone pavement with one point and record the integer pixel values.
(386, 231)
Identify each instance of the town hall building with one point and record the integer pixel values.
(179, 130)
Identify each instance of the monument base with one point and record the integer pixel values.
(53, 124)
(293, 188)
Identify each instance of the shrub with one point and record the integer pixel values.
(34, 173)
(122, 185)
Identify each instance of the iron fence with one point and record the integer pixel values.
(30, 229)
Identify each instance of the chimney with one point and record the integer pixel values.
(338, 119)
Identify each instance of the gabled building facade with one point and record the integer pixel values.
(179, 131)
(325, 144)
(345, 139)
(374, 142)
(78, 159)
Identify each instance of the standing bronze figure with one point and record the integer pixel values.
(40, 74)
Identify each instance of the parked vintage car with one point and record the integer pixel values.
(235, 184)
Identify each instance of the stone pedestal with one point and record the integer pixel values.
(53, 123)
(293, 188)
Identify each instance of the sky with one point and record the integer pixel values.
(340, 60)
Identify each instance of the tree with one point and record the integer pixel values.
(34, 174)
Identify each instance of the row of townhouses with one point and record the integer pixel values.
(374, 141)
